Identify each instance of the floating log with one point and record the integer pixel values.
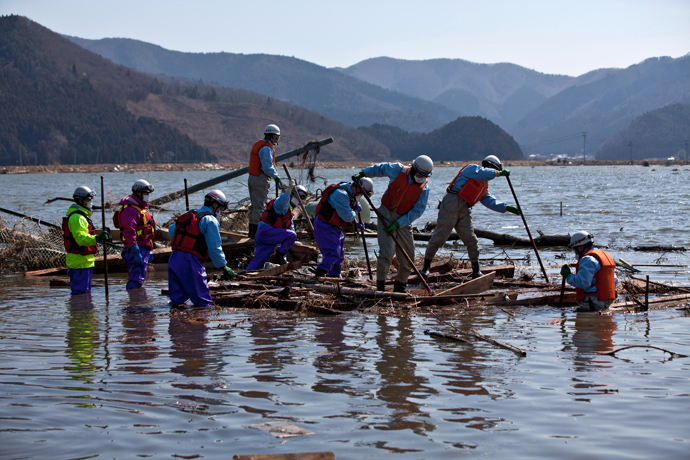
(297, 456)
(502, 239)
(447, 336)
(475, 286)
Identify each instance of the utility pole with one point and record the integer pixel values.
(630, 145)
(584, 147)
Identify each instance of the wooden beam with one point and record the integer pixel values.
(270, 272)
(475, 286)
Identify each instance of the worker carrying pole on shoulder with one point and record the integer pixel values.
(80, 240)
(469, 187)
(403, 202)
(262, 162)
(595, 278)
(195, 238)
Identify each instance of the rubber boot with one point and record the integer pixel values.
(475, 270)
(252, 230)
(380, 285)
(425, 269)
(399, 287)
(320, 272)
(279, 258)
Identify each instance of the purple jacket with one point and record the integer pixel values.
(129, 218)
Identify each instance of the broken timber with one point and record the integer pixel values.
(475, 286)
(503, 239)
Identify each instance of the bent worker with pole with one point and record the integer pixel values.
(276, 228)
(469, 187)
(262, 162)
(338, 207)
(404, 202)
(81, 240)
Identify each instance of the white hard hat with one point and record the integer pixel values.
(423, 165)
(580, 239)
(272, 129)
(301, 190)
(142, 186)
(492, 161)
(83, 192)
(367, 185)
(218, 197)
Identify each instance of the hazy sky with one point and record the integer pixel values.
(550, 36)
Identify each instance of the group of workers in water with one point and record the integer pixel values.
(195, 235)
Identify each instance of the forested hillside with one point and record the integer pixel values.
(467, 138)
(662, 133)
(52, 115)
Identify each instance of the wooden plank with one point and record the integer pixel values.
(288, 267)
(297, 456)
(360, 292)
(670, 298)
(475, 286)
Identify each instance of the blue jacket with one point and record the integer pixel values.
(210, 228)
(391, 170)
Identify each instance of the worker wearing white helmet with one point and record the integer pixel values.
(137, 227)
(595, 279)
(262, 162)
(276, 231)
(81, 240)
(403, 202)
(195, 238)
(469, 187)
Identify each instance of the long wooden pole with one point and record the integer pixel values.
(238, 172)
(186, 195)
(382, 221)
(522, 214)
(366, 250)
(301, 204)
(105, 243)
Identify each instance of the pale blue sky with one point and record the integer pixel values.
(550, 36)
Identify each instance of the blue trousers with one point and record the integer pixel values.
(266, 239)
(80, 280)
(187, 280)
(137, 274)
(331, 241)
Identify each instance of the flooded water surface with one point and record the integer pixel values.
(124, 378)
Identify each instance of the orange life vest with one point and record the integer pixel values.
(401, 195)
(255, 161)
(71, 244)
(604, 279)
(188, 236)
(326, 211)
(146, 226)
(275, 220)
(473, 191)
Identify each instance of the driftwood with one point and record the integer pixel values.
(671, 298)
(475, 286)
(288, 267)
(447, 336)
(399, 296)
(503, 239)
(611, 353)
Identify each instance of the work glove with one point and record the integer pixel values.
(504, 172)
(277, 179)
(227, 272)
(136, 252)
(359, 225)
(103, 236)
(565, 271)
(513, 209)
(358, 208)
(394, 226)
(358, 176)
(292, 185)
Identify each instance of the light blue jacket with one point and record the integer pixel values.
(391, 170)
(584, 278)
(340, 200)
(266, 157)
(210, 228)
(282, 205)
(479, 173)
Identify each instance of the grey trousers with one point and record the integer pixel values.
(387, 247)
(454, 213)
(258, 194)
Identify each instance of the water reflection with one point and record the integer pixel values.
(138, 322)
(189, 343)
(273, 347)
(82, 343)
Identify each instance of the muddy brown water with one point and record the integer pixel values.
(127, 378)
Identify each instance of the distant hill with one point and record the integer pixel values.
(503, 93)
(467, 138)
(661, 133)
(601, 104)
(62, 103)
(331, 93)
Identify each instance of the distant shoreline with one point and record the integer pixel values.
(138, 167)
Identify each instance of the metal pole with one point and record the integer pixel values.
(236, 173)
(366, 250)
(186, 195)
(522, 214)
(105, 247)
(301, 205)
(382, 221)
